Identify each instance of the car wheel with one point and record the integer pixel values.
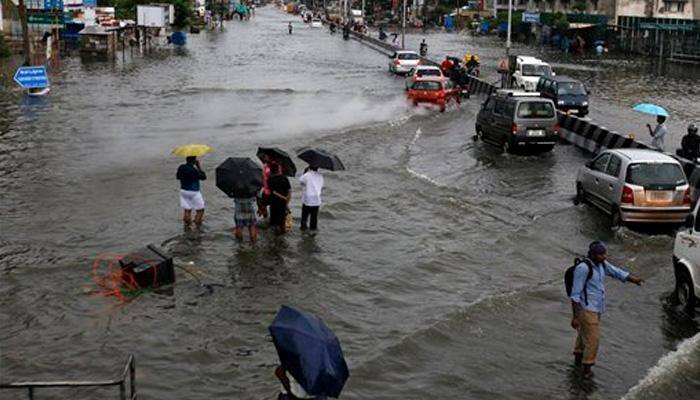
(684, 293)
(458, 98)
(580, 195)
(442, 109)
(616, 219)
(415, 103)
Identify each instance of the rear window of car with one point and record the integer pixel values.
(428, 72)
(535, 109)
(408, 56)
(427, 85)
(655, 175)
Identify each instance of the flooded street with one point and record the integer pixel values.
(438, 264)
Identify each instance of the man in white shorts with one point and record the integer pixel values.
(189, 175)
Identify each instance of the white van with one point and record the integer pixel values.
(528, 71)
(686, 262)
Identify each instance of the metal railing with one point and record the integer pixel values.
(129, 368)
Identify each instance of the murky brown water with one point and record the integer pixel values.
(439, 261)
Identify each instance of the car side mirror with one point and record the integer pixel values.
(689, 221)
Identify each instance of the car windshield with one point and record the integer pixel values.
(536, 70)
(570, 88)
(426, 85)
(655, 175)
(535, 109)
(428, 72)
(408, 56)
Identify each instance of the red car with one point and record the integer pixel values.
(438, 91)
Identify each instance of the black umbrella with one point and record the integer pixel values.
(280, 157)
(239, 177)
(321, 159)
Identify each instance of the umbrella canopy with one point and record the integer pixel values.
(652, 109)
(193, 149)
(309, 351)
(281, 157)
(321, 159)
(239, 177)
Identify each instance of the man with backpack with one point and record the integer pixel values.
(585, 287)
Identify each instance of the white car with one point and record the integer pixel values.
(316, 23)
(686, 262)
(528, 71)
(403, 61)
(421, 71)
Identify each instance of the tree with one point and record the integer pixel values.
(4, 48)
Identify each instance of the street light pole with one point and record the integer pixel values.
(403, 26)
(25, 32)
(510, 15)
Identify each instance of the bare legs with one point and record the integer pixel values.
(252, 232)
(198, 217)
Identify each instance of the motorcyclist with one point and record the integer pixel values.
(382, 34)
(690, 144)
(423, 48)
(446, 66)
(473, 66)
(332, 26)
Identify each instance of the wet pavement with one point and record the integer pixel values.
(439, 262)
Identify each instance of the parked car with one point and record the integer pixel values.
(567, 93)
(686, 262)
(528, 71)
(518, 120)
(403, 61)
(434, 90)
(422, 71)
(316, 23)
(635, 185)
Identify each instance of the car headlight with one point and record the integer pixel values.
(585, 103)
(560, 102)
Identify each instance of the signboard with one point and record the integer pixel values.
(531, 17)
(32, 77)
(667, 27)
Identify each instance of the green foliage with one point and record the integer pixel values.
(4, 48)
(515, 18)
(558, 21)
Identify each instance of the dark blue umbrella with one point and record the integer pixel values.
(309, 351)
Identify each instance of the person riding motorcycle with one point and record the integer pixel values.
(423, 48)
(332, 26)
(690, 144)
(472, 65)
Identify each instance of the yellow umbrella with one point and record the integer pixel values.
(193, 149)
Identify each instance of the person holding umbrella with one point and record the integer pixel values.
(241, 180)
(312, 182)
(189, 174)
(659, 133)
(281, 194)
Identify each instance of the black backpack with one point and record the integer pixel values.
(569, 277)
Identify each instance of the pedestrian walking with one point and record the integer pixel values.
(659, 133)
(281, 194)
(189, 174)
(588, 302)
(423, 48)
(312, 185)
(289, 27)
(244, 217)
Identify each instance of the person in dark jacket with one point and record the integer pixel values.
(280, 195)
(690, 144)
(189, 174)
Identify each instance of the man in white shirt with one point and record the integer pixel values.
(659, 133)
(312, 184)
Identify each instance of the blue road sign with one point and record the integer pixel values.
(32, 77)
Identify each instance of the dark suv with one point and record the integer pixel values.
(517, 120)
(567, 93)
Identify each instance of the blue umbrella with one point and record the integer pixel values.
(309, 351)
(652, 109)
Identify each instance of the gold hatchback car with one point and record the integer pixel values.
(635, 186)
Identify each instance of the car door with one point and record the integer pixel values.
(592, 178)
(496, 121)
(610, 185)
(485, 115)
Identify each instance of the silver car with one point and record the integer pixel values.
(403, 61)
(635, 185)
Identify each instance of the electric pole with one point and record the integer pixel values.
(403, 26)
(25, 33)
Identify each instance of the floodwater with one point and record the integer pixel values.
(439, 261)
